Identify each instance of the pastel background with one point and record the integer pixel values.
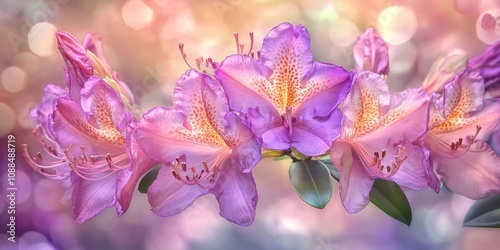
(141, 42)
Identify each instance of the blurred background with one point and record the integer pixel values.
(141, 42)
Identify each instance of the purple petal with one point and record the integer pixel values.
(91, 197)
(163, 137)
(78, 64)
(39, 115)
(488, 64)
(126, 180)
(355, 183)
(475, 174)
(246, 150)
(467, 85)
(169, 196)
(105, 104)
(237, 195)
(371, 53)
(245, 82)
(314, 136)
(368, 98)
(413, 173)
(287, 47)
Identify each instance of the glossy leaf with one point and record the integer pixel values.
(311, 182)
(148, 179)
(386, 195)
(484, 213)
(389, 197)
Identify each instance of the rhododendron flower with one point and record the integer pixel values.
(285, 97)
(381, 138)
(460, 122)
(86, 132)
(204, 147)
(371, 53)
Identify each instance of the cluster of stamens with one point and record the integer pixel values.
(388, 170)
(182, 172)
(208, 65)
(93, 167)
(455, 146)
(288, 119)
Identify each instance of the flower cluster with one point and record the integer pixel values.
(227, 116)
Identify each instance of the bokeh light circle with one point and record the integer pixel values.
(13, 79)
(41, 39)
(8, 119)
(137, 14)
(343, 32)
(397, 24)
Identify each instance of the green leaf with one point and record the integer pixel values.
(333, 170)
(484, 213)
(389, 197)
(386, 195)
(148, 179)
(311, 182)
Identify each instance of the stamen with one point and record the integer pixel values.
(181, 48)
(288, 120)
(251, 45)
(241, 48)
(176, 176)
(237, 43)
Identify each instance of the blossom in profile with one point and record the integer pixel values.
(461, 120)
(371, 53)
(204, 147)
(381, 137)
(86, 133)
(285, 98)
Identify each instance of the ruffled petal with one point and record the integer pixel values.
(413, 173)
(72, 126)
(314, 136)
(355, 183)
(169, 196)
(39, 115)
(106, 106)
(78, 64)
(126, 180)
(246, 149)
(286, 49)
(371, 53)
(91, 197)
(463, 94)
(245, 82)
(476, 174)
(488, 64)
(163, 137)
(406, 119)
(237, 195)
(366, 102)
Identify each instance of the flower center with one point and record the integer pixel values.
(374, 164)
(454, 149)
(203, 174)
(288, 119)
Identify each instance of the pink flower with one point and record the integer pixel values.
(381, 138)
(285, 97)
(86, 132)
(460, 122)
(204, 148)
